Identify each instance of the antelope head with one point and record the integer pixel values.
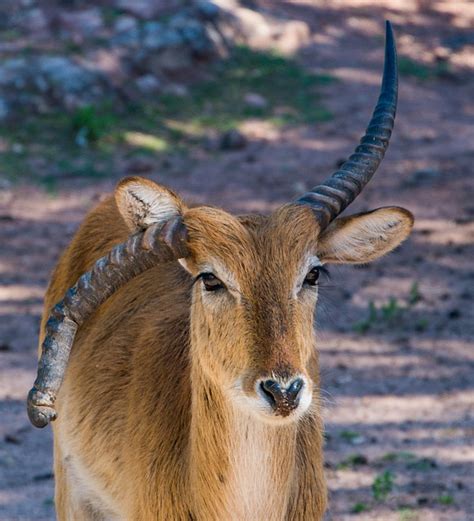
(255, 278)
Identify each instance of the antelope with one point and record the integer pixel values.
(192, 389)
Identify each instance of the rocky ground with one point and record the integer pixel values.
(396, 338)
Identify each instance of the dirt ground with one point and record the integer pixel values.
(396, 338)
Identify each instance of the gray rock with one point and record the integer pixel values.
(127, 32)
(176, 89)
(83, 23)
(66, 78)
(13, 72)
(4, 109)
(125, 23)
(157, 36)
(147, 9)
(255, 101)
(232, 140)
(171, 60)
(425, 176)
(33, 20)
(207, 10)
(195, 35)
(148, 84)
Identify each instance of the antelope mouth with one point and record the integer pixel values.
(276, 403)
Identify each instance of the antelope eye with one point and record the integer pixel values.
(312, 276)
(211, 282)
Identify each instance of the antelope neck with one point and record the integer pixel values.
(240, 467)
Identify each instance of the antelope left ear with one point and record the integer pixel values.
(142, 202)
(364, 237)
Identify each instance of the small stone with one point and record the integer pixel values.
(34, 20)
(68, 80)
(43, 477)
(156, 36)
(255, 101)
(148, 83)
(454, 314)
(194, 34)
(426, 176)
(176, 89)
(299, 187)
(141, 8)
(358, 440)
(207, 10)
(11, 438)
(147, 9)
(4, 110)
(232, 140)
(84, 23)
(125, 23)
(171, 60)
(139, 165)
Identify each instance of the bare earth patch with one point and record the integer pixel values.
(396, 338)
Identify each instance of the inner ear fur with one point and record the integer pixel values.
(364, 237)
(142, 202)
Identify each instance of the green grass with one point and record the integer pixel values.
(359, 508)
(414, 296)
(349, 436)
(289, 90)
(446, 499)
(362, 326)
(85, 143)
(396, 457)
(422, 464)
(383, 485)
(351, 461)
(421, 71)
(391, 312)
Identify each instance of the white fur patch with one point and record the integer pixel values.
(253, 476)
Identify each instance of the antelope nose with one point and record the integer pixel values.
(283, 400)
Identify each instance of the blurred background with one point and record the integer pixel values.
(246, 105)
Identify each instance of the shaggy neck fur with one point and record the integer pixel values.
(242, 469)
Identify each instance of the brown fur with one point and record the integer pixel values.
(148, 428)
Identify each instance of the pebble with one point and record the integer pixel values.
(232, 140)
(255, 101)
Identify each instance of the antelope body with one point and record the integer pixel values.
(192, 389)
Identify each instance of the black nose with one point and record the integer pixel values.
(283, 400)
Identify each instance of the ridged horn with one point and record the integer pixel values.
(143, 250)
(330, 198)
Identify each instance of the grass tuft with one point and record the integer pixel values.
(383, 485)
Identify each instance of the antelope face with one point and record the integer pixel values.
(255, 292)
(254, 295)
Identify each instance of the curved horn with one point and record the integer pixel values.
(139, 253)
(330, 198)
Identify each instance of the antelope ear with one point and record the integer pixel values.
(364, 237)
(142, 202)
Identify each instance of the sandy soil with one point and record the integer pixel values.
(398, 389)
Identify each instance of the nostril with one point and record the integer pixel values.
(294, 389)
(272, 391)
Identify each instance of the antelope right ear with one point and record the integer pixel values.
(364, 237)
(142, 202)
